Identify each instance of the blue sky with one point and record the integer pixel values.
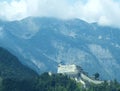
(105, 12)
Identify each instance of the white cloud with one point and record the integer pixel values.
(13, 10)
(105, 12)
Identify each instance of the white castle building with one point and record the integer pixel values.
(70, 70)
(76, 72)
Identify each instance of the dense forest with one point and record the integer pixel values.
(54, 82)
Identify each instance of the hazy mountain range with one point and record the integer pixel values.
(42, 43)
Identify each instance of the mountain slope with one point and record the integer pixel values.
(42, 43)
(10, 67)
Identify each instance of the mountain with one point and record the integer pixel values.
(11, 68)
(42, 43)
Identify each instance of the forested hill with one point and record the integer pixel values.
(10, 67)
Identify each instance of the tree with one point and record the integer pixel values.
(96, 75)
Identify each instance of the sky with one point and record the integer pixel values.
(104, 12)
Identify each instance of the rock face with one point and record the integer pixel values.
(42, 43)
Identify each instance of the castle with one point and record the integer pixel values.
(77, 73)
(70, 70)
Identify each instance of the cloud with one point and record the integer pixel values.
(105, 12)
(13, 10)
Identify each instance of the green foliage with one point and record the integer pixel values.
(56, 82)
(106, 86)
(96, 75)
(42, 83)
(17, 85)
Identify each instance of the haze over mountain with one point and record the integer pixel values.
(42, 43)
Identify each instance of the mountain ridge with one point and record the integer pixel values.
(45, 42)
